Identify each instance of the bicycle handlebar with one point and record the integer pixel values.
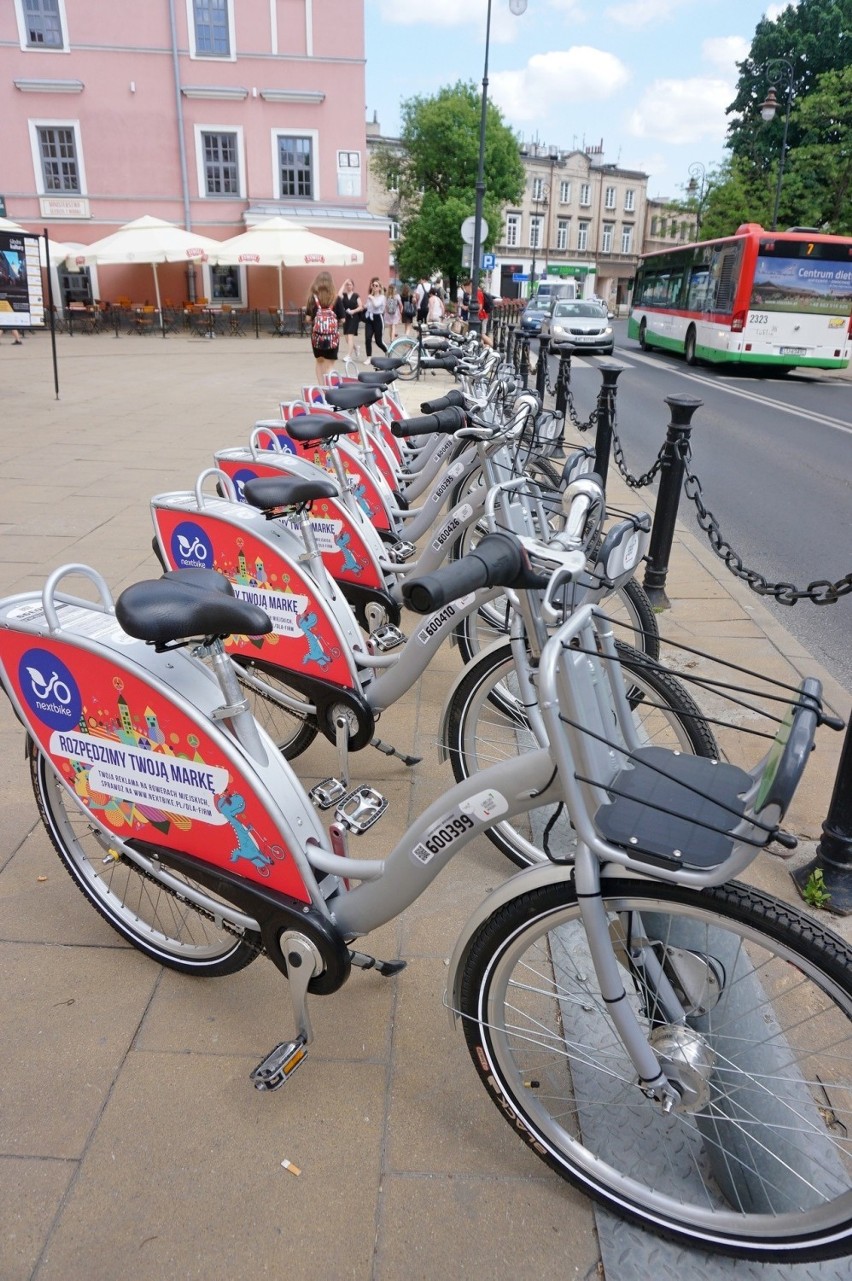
(498, 560)
(448, 420)
(453, 399)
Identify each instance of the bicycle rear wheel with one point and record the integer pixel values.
(406, 349)
(756, 1159)
(487, 723)
(151, 916)
(292, 731)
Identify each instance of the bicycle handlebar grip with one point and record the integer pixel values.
(454, 398)
(446, 420)
(498, 561)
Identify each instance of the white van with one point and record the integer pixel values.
(553, 289)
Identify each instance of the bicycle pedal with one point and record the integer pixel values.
(280, 1064)
(400, 552)
(361, 809)
(327, 793)
(387, 637)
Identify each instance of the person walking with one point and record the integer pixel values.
(374, 322)
(353, 310)
(421, 298)
(324, 309)
(409, 310)
(393, 312)
(17, 341)
(435, 309)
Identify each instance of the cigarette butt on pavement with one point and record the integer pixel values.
(288, 1165)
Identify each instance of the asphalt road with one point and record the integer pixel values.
(774, 458)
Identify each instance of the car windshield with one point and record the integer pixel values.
(539, 304)
(588, 309)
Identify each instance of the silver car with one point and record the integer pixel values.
(586, 324)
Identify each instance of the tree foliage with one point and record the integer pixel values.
(435, 172)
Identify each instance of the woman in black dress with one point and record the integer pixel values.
(352, 312)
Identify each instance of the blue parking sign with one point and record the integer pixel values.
(489, 262)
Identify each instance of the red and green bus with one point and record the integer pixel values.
(758, 297)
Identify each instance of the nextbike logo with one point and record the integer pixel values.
(49, 689)
(241, 479)
(190, 546)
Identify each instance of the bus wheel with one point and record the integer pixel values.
(689, 347)
(643, 339)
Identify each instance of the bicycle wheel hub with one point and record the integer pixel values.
(687, 1061)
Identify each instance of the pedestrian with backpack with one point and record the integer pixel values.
(375, 318)
(409, 310)
(325, 311)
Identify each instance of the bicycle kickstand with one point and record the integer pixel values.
(303, 962)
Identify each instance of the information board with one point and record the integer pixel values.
(21, 294)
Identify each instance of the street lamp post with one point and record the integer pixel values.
(695, 187)
(516, 7)
(775, 70)
(538, 203)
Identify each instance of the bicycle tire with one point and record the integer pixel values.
(406, 349)
(152, 917)
(291, 731)
(757, 1163)
(486, 723)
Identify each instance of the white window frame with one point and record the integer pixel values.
(583, 236)
(313, 134)
(52, 123)
(242, 296)
(563, 231)
(232, 36)
(607, 234)
(537, 190)
(513, 230)
(393, 230)
(627, 239)
(536, 230)
(199, 161)
(564, 191)
(345, 167)
(21, 19)
(609, 198)
(630, 200)
(586, 195)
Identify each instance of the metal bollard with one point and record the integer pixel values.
(665, 514)
(834, 852)
(541, 367)
(563, 379)
(510, 344)
(524, 361)
(605, 416)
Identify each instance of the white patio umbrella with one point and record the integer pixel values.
(278, 242)
(147, 240)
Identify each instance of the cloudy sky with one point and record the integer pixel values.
(649, 78)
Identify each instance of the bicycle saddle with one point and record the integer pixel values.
(351, 396)
(379, 378)
(174, 608)
(387, 362)
(269, 492)
(305, 427)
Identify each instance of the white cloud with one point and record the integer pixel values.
(454, 13)
(641, 13)
(682, 111)
(774, 11)
(579, 74)
(724, 52)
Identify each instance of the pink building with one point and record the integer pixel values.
(213, 114)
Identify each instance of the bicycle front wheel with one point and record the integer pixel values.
(150, 915)
(405, 349)
(487, 723)
(756, 1158)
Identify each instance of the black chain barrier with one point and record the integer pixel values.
(635, 482)
(821, 591)
(561, 389)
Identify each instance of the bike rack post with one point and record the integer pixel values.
(524, 363)
(605, 416)
(510, 344)
(834, 851)
(668, 496)
(541, 367)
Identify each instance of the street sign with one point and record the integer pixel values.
(520, 276)
(468, 230)
(489, 262)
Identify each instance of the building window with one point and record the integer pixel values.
(536, 228)
(43, 24)
(513, 229)
(59, 165)
(212, 28)
(295, 163)
(393, 230)
(562, 225)
(606, 238)
(627, 240)
(609, 198)
(221, 164)
(393, 180)
(349, 173)
(225, 284)
(653, 230)
(537, 189)
(564, 192)
(582, 235)
(630, 201)
(585, 194)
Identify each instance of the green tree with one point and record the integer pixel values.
(736, 193)
(435, 170)
(817, 180)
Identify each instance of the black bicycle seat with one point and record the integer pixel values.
(377, 378)
(306, 427)
(351, 396)
(387, 362)
(269, 492)
(163, 610)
